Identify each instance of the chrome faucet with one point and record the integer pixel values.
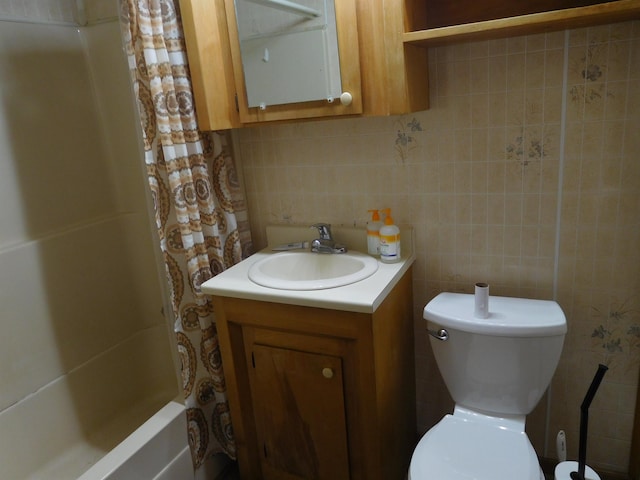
(325, 243)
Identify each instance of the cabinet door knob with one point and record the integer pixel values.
(327, 372)
(346, 98)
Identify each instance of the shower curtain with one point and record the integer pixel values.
(200, 213)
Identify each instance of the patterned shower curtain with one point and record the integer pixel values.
(200, 213)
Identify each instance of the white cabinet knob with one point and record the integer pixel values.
(346, 98)
(327, 372)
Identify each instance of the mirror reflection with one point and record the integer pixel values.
(289, 51)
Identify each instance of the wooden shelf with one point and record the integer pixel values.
(616, 11)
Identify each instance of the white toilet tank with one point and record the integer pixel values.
(500, 365)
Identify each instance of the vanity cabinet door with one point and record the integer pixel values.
(299, 409)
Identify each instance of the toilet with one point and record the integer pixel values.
(496, 369)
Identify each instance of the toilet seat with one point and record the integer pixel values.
(460, 447)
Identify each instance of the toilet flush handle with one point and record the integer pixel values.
(441, 334)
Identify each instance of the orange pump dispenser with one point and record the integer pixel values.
(373, 233)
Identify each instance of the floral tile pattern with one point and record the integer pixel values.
(405, 140)
(525, 150)
(618, 331)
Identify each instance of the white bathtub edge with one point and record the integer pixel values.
(117, 459)
(177, 467)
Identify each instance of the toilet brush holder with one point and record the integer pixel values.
(564, 469)
(579, 470)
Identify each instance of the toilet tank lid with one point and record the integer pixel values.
(516, 317)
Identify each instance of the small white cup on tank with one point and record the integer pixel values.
(481, 309)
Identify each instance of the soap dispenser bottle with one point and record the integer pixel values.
(389, 240)
(373, 233)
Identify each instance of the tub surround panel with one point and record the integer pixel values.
(79, 417)
(114, 98)
(42, 11)
(64, 309)
(85, 357)
(56, 156)
(157, 450)
(59, 11)
(98, 11)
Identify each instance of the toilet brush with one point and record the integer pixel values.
(584, 421)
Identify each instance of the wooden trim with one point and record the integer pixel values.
(231, 337)
(416, 64)
(393, 350)
(236, 56)
(309, 320)
(616, 11)
(207, 41)
(373, 61)
(407, 67)
(397, 79)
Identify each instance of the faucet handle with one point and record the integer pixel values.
(324, 230)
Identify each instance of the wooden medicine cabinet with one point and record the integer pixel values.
(265, 61)
(382, 45)
(381, 75)
(290, 64)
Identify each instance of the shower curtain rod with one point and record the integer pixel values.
(288, 6)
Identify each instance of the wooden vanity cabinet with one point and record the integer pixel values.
(317, 393)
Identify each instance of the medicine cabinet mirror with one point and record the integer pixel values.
(289, 51)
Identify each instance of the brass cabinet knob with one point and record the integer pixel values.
(327, 372)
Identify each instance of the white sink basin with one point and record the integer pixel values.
(311, 271)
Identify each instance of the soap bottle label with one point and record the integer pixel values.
(390, 246)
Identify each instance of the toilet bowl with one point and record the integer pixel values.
(466, 446)
(496, 370)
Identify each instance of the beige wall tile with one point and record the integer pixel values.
(553, 76)
(481, 187)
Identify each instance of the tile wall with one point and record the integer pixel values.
(525, 173)
(84, 345)
(66, 12)
(42, 11)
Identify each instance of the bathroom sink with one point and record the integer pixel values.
(311, 271)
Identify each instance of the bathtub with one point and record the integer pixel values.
(157, 450)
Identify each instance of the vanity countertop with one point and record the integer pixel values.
(364, 296)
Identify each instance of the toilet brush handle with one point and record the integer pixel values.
(595, 383)
(584, 421)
